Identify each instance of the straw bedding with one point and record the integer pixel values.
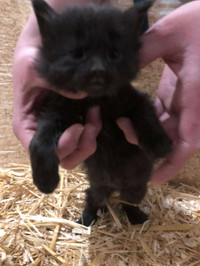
(37, 229)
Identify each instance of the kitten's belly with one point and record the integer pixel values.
(116, 162)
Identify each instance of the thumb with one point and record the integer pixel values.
(153, 44)
(160, 40)
(185, 105)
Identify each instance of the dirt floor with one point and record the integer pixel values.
(13, 15)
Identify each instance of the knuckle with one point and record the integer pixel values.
(162, 29)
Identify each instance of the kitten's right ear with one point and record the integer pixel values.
(44, 14)
(134, 16)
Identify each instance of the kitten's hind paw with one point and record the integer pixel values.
(87, 221)
(138, 219)
(88, 217)
(135, 215)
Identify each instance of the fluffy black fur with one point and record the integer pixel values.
(95, 49)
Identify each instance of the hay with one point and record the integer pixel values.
(38, 229)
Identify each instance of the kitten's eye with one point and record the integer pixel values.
(114, 55)
(77, 54)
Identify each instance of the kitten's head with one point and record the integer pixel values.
(89, 48)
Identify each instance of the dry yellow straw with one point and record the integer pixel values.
(50, 251)
(40, 227)
(48, 220)
(119, 225)
(57, 228)
(97, 260)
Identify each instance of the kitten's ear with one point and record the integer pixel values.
(44, 14)
(135, 14)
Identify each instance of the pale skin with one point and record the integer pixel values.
(176, 39)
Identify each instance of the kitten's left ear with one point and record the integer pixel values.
(135, 14)
(45, 15)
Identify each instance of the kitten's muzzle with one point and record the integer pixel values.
(97, 67)
(96, 88)
(97, 82)
(97, 72)
(97, 79)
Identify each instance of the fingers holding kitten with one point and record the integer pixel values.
(93, 117)
(76, 144)
(126, 126)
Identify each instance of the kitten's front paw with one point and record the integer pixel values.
(45, 179)
(157, 146)
(44, 169)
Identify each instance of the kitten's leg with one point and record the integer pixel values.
(44, 160)
(151, 136)
(89, 213)
(96, 198)
(134, 195)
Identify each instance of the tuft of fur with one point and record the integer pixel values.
(95, 49)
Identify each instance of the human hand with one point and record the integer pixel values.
(78, 142)
(175, 38)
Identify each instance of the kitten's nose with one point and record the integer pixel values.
(97, 67)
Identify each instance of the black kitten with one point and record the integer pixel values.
(95, 49)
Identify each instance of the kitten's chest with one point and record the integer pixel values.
(110, 109)
(113, 108)
(75, 111)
